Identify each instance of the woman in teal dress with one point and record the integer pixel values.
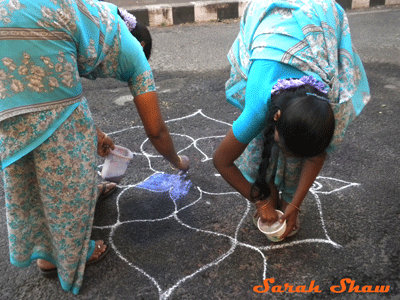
(299, 83)
(48, 140)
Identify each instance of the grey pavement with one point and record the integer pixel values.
(204, 245)
(135, 3)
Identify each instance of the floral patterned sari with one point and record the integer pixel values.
(48, 140)
(314, 37)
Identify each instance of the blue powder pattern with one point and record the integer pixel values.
(177, 185)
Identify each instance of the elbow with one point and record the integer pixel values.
(156, 132)
(154, 136)
(217, 162)
(214, 162)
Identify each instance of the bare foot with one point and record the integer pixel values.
(106, 187)
(45, 265)
(99, 249)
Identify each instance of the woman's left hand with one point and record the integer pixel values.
(266, 212)
(183, 164)
(104, 143)
(290, 215)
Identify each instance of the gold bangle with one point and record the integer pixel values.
(172, 167)
(264, 205)
(294, 206)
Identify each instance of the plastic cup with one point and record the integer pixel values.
(115, 164)
(273, 232)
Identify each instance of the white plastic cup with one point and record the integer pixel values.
(274, 231)
(115, 164)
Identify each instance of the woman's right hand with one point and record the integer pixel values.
(183, 163)
(266, 212)
(104, 143)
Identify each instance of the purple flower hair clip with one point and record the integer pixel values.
(285, 84)
(129, 19)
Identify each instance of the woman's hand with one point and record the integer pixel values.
(290, 215)
(266, 212)
(309, 173)
(183, 163)
(104, 143)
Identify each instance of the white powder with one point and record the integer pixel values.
(274, 227)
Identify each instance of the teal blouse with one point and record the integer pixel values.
(45, 52)
(262, 77)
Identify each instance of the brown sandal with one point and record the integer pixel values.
(52, 273)
(105, 190)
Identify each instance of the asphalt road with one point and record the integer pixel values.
(203, 245)
(135, 3)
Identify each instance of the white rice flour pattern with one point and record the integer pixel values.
(202, 187)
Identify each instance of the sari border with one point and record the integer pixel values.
(14, 33)
(85, 11)
(235, 64)
(12, 112)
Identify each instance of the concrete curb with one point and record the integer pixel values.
(175, 14)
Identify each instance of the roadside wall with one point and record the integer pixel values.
(175, 14)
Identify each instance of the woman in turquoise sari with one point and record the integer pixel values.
(298, 83)
(48, 140)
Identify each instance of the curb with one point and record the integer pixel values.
(175, 14)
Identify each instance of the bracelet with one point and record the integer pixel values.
(294, 206)
(264, 205)
(172, 167)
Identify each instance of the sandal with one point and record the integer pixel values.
(52, 273)
(106, 189)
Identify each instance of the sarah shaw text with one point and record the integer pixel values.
(346, 285)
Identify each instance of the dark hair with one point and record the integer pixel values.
(142, 34)
(305, 127)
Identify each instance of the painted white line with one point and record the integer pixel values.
(316, 191)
